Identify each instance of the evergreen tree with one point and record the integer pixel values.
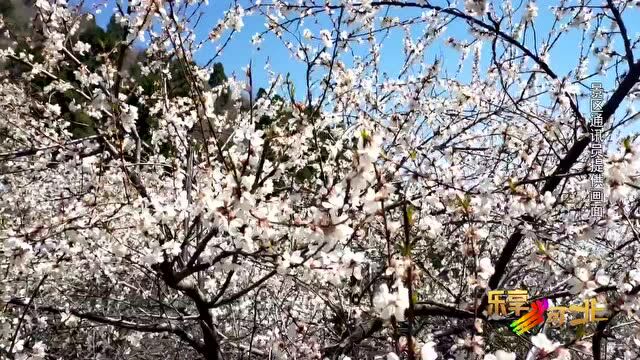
(217, 78)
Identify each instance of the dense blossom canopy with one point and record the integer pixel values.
(362, 213)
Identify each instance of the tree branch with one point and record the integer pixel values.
(623, 32)
(123, 324)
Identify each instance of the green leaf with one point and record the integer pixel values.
(414, 298)
(410, 212)
(365, 135)
(464, 202)
(627, 144)
(413, 154)
(512, 185)
(405, 250)
(541, 247)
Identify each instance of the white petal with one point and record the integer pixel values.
(582, 274)
(392, 356)
(602, 278)
(428, 351)
(503, 355)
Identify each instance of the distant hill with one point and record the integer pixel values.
(16, 13)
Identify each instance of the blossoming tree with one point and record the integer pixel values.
(362, 213)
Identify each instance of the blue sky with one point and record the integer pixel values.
(240, 51)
